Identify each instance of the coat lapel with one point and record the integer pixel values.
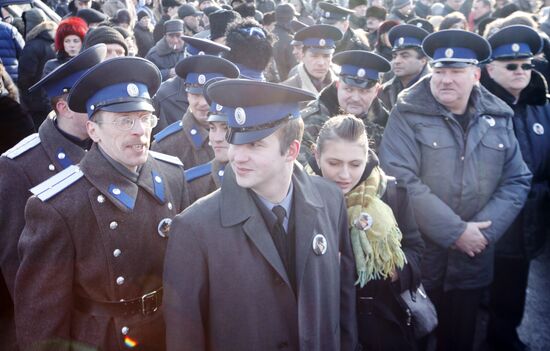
(61, 151)
(249, 215)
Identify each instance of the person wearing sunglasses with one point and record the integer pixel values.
(355, 93)
(511, 77)
(92, 249)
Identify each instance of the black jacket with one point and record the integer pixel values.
(282, 50)
(144, 40)
(527, 234)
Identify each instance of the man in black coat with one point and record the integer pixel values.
(265, 262)
(282, 49)
(511, 77)
(93, 245)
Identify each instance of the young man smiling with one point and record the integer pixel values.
(93, 245)
(264, 262)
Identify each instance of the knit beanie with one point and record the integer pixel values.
(141, 14)
(69, 26)
(105, 35)
(397, 4)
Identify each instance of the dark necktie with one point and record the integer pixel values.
(280, 213)
(280, 237)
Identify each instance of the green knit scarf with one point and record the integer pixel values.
(375, 235)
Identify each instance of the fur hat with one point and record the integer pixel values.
(69, 26)
(220, 20)
(250, 44)
(376, 12)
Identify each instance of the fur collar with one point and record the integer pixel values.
(46, 26)
(533, 94)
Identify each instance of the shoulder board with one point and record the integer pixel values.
(166, 158)
(23, 146)
(59, 182)
(198, 171)
(171, 129)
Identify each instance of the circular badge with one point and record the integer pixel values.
(419, 25)
(490, 120)
(201, 53)
(219, 107)
(449, 53)
(327, 14)
(515, 47)
(240, 116)
(401, 41)
(202, 79)
(322, 42)
(164, 227)
(538, 129)
(361, 73)
(364, 221)
(132, 90)
(319, 244)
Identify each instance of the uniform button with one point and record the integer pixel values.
(434, 143)
(500, 146)
(100, 199)
(116, 191)
(220, 173)
(193, 131)
(51, 167)
(113, 225)
(120, 280)
(124, 330)
(61, 155)
(461, 158)
(158, 179)
(170, 206)
(117, 252)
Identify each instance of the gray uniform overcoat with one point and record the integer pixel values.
(30, 162)
(226, 287)
(456, 177)
(97, 239)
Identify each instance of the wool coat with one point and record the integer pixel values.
(170, 102)
(164, 57)
(98, 239)
(226, 287)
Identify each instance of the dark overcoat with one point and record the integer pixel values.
(170, 102)
(30, 162)
(97, 239)
(204, 179)
(185, 139)
(164, 57)
(226, 287)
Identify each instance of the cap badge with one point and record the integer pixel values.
(320, 244)
(363, 222)
(164, 227)
(322, 42)
(201, 53)
(132, 90)
(419, 25)
(449, 53)
(202, 79)
(401, 41)
(538, 129)
(240, 116)
(219, 107)
(361, 72)
(327, 14)
(515, 47)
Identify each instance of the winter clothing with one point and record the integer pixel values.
(144, 39)
(164, 57)
(11, 47)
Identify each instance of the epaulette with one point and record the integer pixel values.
(171, 129)
(198, 171)
(57, 183)
(23, 146)
(166, 158)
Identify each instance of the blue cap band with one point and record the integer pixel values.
(201, 78)
(406, 41)
(117, 93)
(217, 109)
(511, 50)
(319, 42)
(193, 51)
(59, 87)
(254, 116)
(455, 55)
(359, 72)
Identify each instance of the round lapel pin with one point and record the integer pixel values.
(320, 244)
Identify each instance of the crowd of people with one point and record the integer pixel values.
(257, 175)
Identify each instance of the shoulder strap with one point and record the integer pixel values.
(23, 146)
(166, 158)
(57, 183)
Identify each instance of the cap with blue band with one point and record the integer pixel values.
(405, 36)
(360, 68)
(515, 42)
(197, 70)
(456, 48)
(116, 94)
(199, 46)
(321, 36)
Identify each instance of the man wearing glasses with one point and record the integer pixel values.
(355, 92)
(511, 77)
(92, 249)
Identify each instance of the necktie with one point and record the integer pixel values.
(280, 213)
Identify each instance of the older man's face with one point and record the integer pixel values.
(452, 86)
(512, 75)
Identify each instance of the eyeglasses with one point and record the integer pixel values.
(127, 123)
(524, 66)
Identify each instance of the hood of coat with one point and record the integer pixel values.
(418, 99)
(45, 30)
(533, 94)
